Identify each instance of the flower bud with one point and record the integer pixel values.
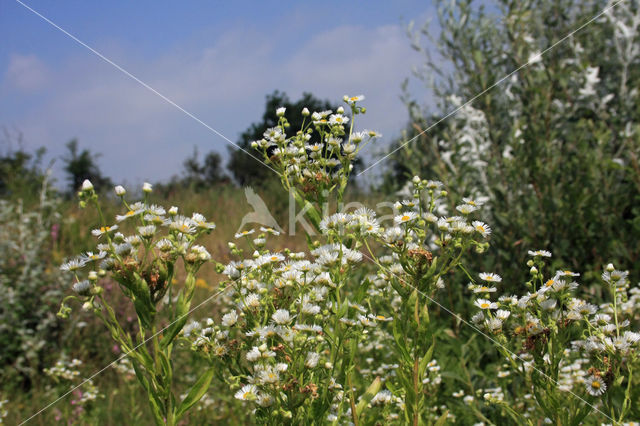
(305, 112)
(120, 191)
(254, 144)
(87, 185)
(416, 179)
(146, 187)
(610, 267)
(263, 347)
(280, 111)
(340, 110)
(173, 211)
(533, 270)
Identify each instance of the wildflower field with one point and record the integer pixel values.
(490, 277)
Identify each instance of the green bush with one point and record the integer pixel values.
(30, 287)
(555, 145)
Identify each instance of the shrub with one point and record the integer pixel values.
(30, 286)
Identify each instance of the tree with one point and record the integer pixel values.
(82, 165)
(247, 170)
(199, 176)
(21, 172)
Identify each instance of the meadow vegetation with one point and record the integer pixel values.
(491, 278)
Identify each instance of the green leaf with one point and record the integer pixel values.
(371, 391)
(196, 392)
(312, 212)
(399, 338)
(153, 400)
(427, 358)
(442, 419)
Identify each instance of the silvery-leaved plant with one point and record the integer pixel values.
(139, 251)
(573, 358)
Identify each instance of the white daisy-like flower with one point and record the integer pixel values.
(247, 393)
(103, 230)
(269, 230)
(619, 278)
(484, 289)
(381, 398)
(201, 222)
(539, 253)
(481, 228)
(91, 256)
(485, 304)
(338, 119)
(595, 385)
(147, 231)
(252, 301)
(244, 233)
(312, 360)
(490, 277)
(353, 99)
(466, 208)
(405, 217)
(281, 316)
(474, 202)
(164, 245)
(502, 314)
(183, 225)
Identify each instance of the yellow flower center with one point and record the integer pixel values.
(246, 395)
(484, 288)
(104, 228)
(549, 283)
(595, 384)
(484, 305)
(353, 98)
(274, 258)
(405, 218)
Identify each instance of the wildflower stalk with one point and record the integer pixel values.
(144, 275)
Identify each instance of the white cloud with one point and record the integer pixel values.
(224, 84)
(26, 73)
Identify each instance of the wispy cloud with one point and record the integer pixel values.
(25, 73)
(223, 83)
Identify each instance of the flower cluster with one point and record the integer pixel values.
(320, 154)
(284, 318)
(66, 372)
(564, 343)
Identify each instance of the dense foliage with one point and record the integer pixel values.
(555, 145)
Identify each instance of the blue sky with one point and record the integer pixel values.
(218, 60)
